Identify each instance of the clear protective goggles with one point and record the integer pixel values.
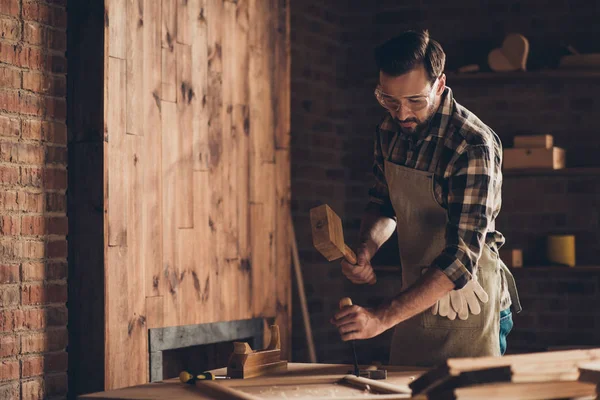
(413, 103)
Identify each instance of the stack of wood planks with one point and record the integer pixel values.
(548, 375)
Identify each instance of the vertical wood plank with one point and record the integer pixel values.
(283, 277)
(115, 13)
(282, 81)
(168, 23)
(169, 57)
(155, 312)
(214, 18)
(115, 329)
(186, 97)
(183, 21)
(135, 59)
(189, 294)
(240, 132)
(117, 185)
(204, 251)
(152, 206)
(230, 145)
(197, 10)
(170, 270)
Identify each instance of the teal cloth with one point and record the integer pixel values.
(506, 325)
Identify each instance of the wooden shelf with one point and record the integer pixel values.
(523, 75)
(581, 171)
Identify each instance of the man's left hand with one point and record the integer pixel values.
(356, 322)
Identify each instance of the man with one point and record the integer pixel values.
(438, 183)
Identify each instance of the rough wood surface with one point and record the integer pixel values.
(197, 168)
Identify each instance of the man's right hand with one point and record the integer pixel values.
(362, 272)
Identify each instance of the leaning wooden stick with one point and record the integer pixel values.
(328, 236)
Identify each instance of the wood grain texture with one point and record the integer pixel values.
(116, 19)
(117, 191)
(170, 269)
(196, 169)
(135, 64)
(186, 97)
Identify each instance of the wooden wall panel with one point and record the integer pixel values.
(199, 91)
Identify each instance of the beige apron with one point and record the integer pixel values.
(426, 339)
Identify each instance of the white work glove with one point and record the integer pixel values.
(460, 302)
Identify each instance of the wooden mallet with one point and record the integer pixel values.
(328, 236)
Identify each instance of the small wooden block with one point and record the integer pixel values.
(515, 158)
(513, 258)
(534, 141)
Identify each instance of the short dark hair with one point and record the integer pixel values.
(407, 51)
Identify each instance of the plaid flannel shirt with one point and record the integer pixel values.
(465, 157)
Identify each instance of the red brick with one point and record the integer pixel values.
(56, 270)
(53, 16)
(7, 321)
(31, 58)
(56, 362)
(56, 155)
(32, 366)
(46, 84)
(10, 78)
(10, 391)
(9, 273)
(9, 127)
(40, 35)
(32, 177)
(9, 295)
(9, 7)
(33, 225)
(27, 249)
(8, 151)
(33, 271)
(21, 201)
(9, 175)
(46, 131)
(57, 225)
(43, 294)
(9, 370)
(33, 390)
(55, 178)
(48, 363)
(10, 28)
(30, 319)
(56, 384)
(56, 249)
(9, 101)
(9, 346)
(30, 154)
(56, 316)
(56, 202)
(9, 225)
(44, 341)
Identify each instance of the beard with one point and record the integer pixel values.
(421, 126)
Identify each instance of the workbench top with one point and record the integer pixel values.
(300, 378)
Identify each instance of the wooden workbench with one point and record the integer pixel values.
(299, 381)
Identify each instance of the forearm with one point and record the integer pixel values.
(422, 295)
(376, 228)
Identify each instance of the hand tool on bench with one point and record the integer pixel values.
(328, 236)
(186, 377)
(247, 363)
(347, 302)
(371, 372)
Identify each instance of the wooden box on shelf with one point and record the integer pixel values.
(519, 158)
(533, 141)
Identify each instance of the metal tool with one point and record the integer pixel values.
(347, 302)
(186, 377)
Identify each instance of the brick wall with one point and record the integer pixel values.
(33, 179)
(333, 118)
